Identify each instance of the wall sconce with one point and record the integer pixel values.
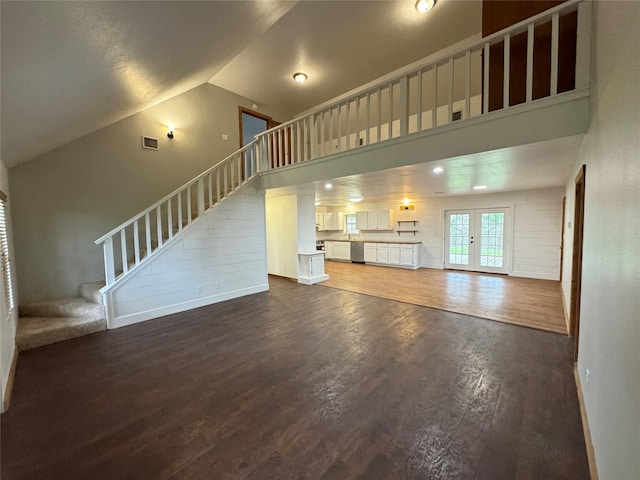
(170, 132)
(406, 205)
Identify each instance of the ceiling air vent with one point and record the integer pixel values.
(150, 143)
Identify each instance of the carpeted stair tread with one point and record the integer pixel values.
(91, 291)
(38, 331)
(63, 307)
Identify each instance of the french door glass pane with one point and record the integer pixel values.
(492, 239)
(459, 239)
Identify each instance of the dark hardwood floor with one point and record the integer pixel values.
(301, 382)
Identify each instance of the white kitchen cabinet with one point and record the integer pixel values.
(329, 248)
(370, 253)
(330, 221)
(374, 220)
(382, 253)
(343, 251)
(338, 250)
(409, 255)
(394, 254)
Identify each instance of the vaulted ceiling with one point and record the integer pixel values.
(70, 68)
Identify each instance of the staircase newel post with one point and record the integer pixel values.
(109, 268)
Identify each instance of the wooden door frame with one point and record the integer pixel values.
(241, 110)
(576, 268)
(564, 207)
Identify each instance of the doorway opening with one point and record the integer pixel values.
(477, 240)
(576, 270)
(251, 124)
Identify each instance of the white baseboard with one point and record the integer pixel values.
(181, 307)
(591, 456)
(314, 279)
(536, 275)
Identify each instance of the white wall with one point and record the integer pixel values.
(222, 256)
(535, 217)
(610, 302)
(65, 199)
(282, 235)
(8, 320)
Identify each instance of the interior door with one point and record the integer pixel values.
(477, 240)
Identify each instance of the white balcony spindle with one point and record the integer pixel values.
(390, 124)
(180, 212)
(136, 242)
(347, 123)
(159, 225)
(287, 159)
(404, 105)
(339, 127)
(530, 40)
(379, 122)
(188, 204)
(485, 90)
(367, 123)
(109, 261)
(450, 92)
(200, 195)
(357, 122)
(555, 31)
(583, 45)
(123, 251)
(507, 70)
(298, 143)
(147, 232)
(210, 188)
(467, 84)
(434, 97)
(169, 220)
(419, 102)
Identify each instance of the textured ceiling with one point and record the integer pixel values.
(70, 68)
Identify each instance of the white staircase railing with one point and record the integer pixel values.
(139, 238)
(456, 86)
(449, 88)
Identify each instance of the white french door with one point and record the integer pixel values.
(477, 239)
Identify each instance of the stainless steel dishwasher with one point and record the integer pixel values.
(357, 252)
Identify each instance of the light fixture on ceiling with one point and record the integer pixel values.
(328, 186)
(354, 199)
(480, 187)
(423, 6)
(438, 170)
(170, 132)
(300, 77)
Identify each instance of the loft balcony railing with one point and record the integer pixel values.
(545, 56)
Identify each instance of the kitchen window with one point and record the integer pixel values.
(350, 222)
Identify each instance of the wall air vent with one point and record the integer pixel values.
(456, 116)
(150, 143)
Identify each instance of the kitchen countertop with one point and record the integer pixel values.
(373, 241)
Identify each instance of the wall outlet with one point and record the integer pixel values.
(217, 285)
(225, 136)
(199, 289)
(587, 374)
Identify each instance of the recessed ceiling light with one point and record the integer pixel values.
(318, 202)
(423, 6)
(354, 199)
(480, 187)
(300, 77)
(328, 186)
(438, 170)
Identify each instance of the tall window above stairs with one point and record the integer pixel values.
(4, 252)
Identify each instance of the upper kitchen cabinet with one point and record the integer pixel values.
(374, 220)
(329, 221)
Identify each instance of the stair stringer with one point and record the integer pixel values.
(219, 256)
